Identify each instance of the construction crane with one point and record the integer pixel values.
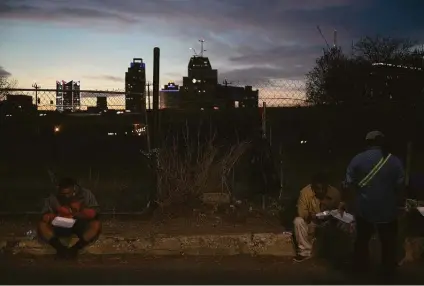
(226, 83)
(202, 50)
(194, 51)
(325, 40)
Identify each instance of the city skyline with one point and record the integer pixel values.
(250, 42)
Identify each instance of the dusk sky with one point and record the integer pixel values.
(246, 40)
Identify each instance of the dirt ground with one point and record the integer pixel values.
(188, 270)
(134, 226)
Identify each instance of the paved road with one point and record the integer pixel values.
(176, 270)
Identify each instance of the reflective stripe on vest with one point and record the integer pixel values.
(374, 171)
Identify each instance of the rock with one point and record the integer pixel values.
(216, 198)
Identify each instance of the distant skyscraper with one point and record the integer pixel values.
(68, 95)
(135, 86)
(200, 89)
(169, 96)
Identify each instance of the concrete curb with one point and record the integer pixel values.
(160, 245)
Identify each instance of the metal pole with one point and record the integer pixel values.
(36, 86)
(155, 143)
(36, 97)
(156, 62)
(264, 120)
(281, 171)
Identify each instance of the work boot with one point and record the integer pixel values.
(59, 247)
(74, 250)
(301, 258)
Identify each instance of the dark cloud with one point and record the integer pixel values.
(67, 14)
(282, 36)
(107, 78)
(291, 62)
(290, 20)
(272, 17)
(257, 75)
(4, 73)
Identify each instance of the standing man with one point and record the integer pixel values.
(70, 201)
(375, 178)
(316, 197)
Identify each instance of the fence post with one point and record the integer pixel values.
(264, 120)
(263, 138)
(281, 171)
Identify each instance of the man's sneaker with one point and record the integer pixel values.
(300, 258)
(61, 254)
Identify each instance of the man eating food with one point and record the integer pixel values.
(70, 202)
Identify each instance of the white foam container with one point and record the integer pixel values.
(63, 222)
(346, 218)
(421, 210)
(323, 215)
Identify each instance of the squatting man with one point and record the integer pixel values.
(70, 201)
(315, 198)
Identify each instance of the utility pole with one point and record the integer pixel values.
(36, 86)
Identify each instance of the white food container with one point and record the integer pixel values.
(346, 218)
(63, 222)
(421, 210)
(323, 215)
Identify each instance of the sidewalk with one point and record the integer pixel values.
(204, 236)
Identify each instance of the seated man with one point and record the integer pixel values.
(70, 201)
(317, 197)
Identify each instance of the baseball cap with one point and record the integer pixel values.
(373, 135)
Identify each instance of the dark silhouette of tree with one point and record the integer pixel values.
(6, 83)
(379, 70)
(380, 49)
(335, 79)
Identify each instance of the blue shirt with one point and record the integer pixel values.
(377, 201)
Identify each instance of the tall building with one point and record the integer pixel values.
(169, 96)
(17, 104)
(200, 89)
(237, 96)
(68, 95)
(199, 86)
(135, 86)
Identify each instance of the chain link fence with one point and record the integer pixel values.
(302, 140)
(274, 93)
(51, 99)
(279, 92)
